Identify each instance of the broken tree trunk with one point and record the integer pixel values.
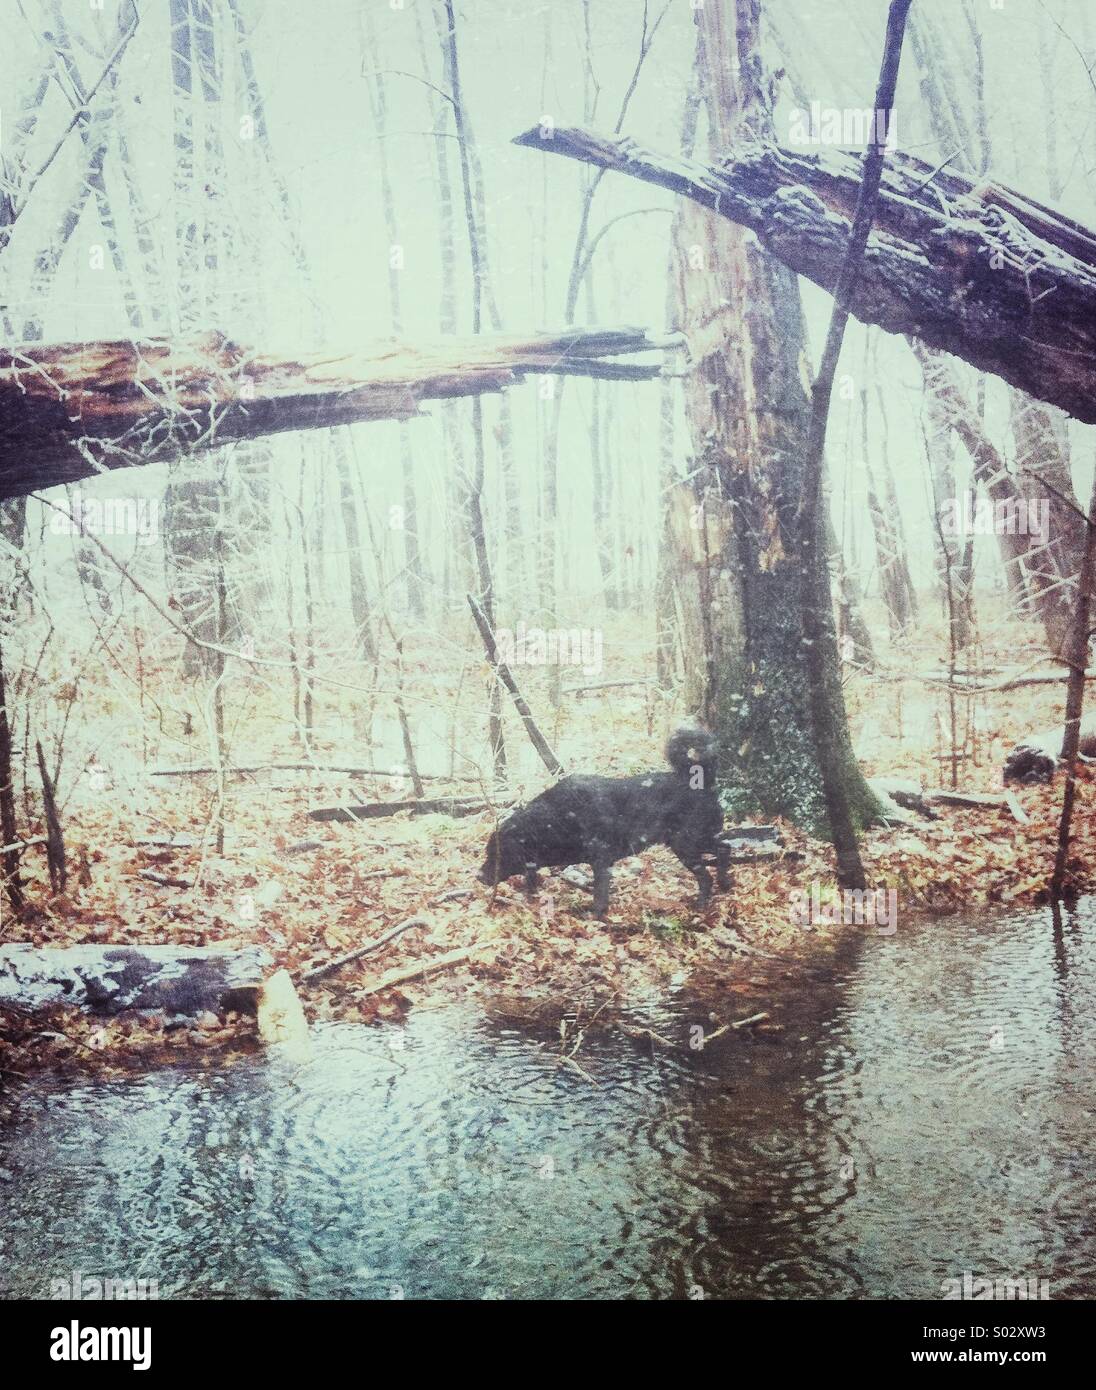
(974, 268)
(72, 410)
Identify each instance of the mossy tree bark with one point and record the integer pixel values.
(749, 408)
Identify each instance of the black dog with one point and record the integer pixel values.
(598, 820)
(1038, 759)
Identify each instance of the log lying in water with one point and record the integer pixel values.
(186, 980)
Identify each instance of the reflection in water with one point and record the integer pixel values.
(927, 1110)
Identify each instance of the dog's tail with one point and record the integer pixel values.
(691, 747)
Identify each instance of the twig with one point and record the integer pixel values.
(414, 972)
(321, 971)
(80, 111)
(164, 880)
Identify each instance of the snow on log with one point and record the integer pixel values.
(185, 980)
(72, 410)
(974, 268)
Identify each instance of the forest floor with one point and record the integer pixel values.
(542, 958)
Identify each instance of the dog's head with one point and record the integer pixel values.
(1029, 765)
(503, 858)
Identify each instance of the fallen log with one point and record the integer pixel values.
(743, 833)
(764, 853)
(996, 801)
(971, 267)
(437, 805)
(187, 980)
(72, 410)
(901, 798)
(1037, 759)
(242, 769)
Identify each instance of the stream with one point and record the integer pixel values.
(926, 1112)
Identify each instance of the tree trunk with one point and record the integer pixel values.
(748, 413)
(1075, 695)
(12, 886)
(845, 801)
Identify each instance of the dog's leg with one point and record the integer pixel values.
(723, 866)
(603, 877)
(532, 882)
(704, 880)
(691, 858)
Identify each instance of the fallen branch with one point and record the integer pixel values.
(490, 647)
(24, 844)
(349, 771)
(373, 810)
(454, 895)
(322, 971)
(605, 685)
(164, 880)
(402, 974)
(972, 686)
